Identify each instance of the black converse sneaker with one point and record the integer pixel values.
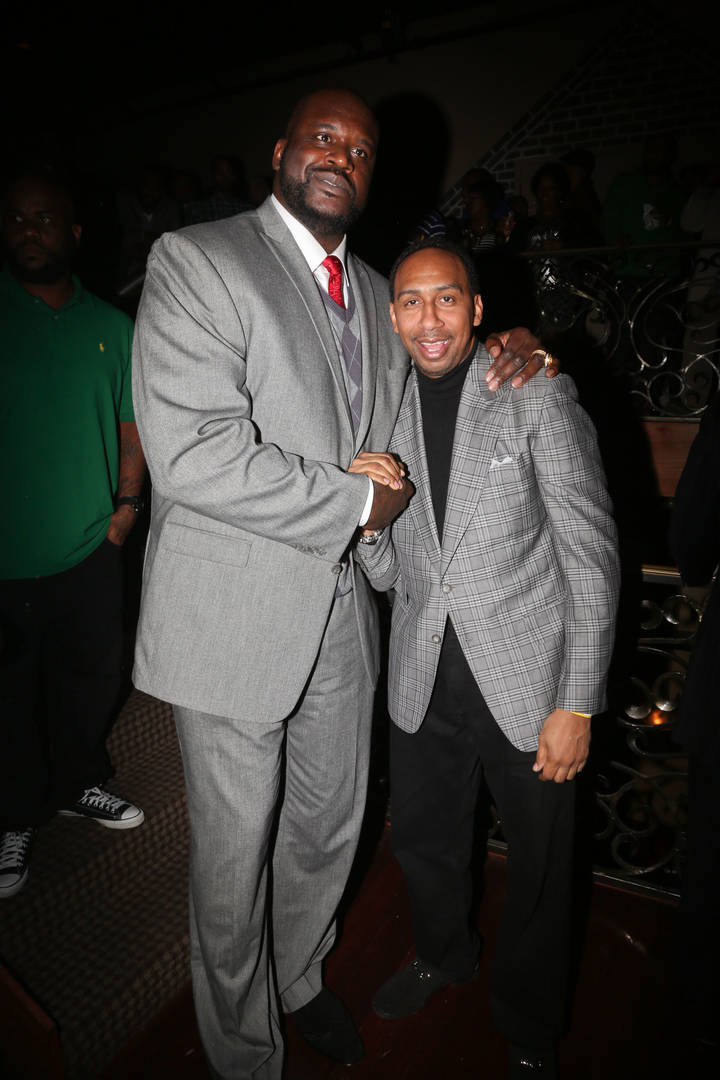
(109, 810)
(14, 851)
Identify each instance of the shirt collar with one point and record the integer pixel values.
(9, 282)
(312, 250)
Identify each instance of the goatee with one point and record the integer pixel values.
(319, 222)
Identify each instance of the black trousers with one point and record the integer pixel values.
(435, 780)
(60, 679)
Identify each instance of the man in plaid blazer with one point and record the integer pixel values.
(505, 574)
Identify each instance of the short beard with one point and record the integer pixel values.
(319, 223)
(51, 272)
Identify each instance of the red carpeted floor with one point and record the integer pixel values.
(625, 1017)
(96, 984)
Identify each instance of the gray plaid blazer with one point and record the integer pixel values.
(528, 569)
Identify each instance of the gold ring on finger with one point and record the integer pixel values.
(548, 358)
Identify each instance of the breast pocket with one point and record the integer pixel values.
(511, 473)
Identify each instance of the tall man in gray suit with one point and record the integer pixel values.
(505, 574)
(266, 374)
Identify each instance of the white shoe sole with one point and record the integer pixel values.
(129, 823)
(10, 890)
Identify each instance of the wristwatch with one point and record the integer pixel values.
(371, 538)
(134, 501)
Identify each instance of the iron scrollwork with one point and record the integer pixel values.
(641, 790)
(661, 330)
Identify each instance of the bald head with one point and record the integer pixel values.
(324, 163)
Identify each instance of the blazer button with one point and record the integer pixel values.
(337, 568)
(446, 588)
(436, 639)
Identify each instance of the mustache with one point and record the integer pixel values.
(335, 172)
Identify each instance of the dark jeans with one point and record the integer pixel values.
(60, 679)
(435, 779)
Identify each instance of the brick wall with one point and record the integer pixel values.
(655, 73)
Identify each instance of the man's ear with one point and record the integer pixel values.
(478, 306)
(392, 317)
(77, 233)
(278, 153)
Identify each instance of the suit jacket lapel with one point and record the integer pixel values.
(369, 322)
(480, 419)
(409, 444)
(299, 280)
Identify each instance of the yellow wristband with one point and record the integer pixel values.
(585, 715)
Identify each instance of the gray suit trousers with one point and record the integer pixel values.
(263, 904)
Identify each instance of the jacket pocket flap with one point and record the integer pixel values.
(202, 544)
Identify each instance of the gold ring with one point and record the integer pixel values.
(548, 358)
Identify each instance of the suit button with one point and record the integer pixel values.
(446, 588)
(337, 568)
(436, 639)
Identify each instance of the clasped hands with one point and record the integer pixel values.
(392, 490)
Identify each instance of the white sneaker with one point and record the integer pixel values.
(109, 810)
(14, 851)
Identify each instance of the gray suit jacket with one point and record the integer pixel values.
(242, 410)
(528, 569)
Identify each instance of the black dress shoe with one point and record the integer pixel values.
(408, 990)
(526, 1064)
(329, 1028)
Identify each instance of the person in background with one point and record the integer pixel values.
(69, 440)
(227, 194)
(583, 198)
(644, 206)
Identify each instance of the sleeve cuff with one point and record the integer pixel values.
(367, 510)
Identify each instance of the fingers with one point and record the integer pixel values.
(554, 771)
(517, 355)
(559, 770)
(381, 467)
(541, 758)
(495, 343)
(507, 361)
(539, 359)
(378, 474)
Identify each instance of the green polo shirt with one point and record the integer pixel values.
(64, 387)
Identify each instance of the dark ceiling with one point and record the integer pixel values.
(106, 64)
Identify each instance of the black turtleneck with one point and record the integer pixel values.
(439, 400)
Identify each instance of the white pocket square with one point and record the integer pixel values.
(497, 463)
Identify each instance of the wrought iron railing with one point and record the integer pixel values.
(641, 777)
(661, 332)
(660, 328)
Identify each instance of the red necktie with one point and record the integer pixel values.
(335, 287)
